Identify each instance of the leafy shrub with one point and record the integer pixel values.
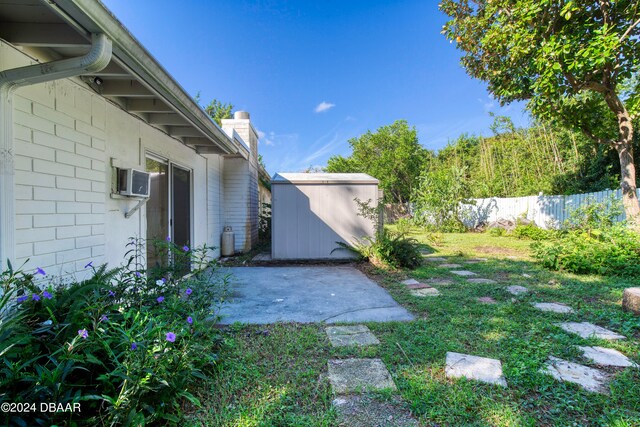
(403, 225)
(125, 346)
(390, 249)
(530, 231)
(264, 224)
(593, 243)
(497, 232)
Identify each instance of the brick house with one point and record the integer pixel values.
(84, 108)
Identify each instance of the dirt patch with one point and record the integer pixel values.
(496, 250)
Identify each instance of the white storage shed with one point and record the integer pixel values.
(313, 211)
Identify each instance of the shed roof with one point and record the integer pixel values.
(323, 178)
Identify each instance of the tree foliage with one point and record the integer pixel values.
(573, 60)
(392, 154)
(216, 109)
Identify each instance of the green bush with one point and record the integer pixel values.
(497, 232)
(593, 243)
(125, 346)
(531, 231)
(393, 250)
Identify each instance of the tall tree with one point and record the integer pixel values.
(392, 154)
(570, 59)
(216, 109)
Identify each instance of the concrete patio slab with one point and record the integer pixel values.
(358, 375)
(307, 294)
(590, 379)
(589, 330)
(553, 307)
(483, 369)
(607, 357)
(365, 411)
(353, 335)
(517, 290)
(463, 273)
(481, 281)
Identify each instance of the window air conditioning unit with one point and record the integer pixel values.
(133, 183)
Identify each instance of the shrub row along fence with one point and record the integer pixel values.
(546, 211)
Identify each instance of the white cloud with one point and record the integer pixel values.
(262, 137)
(324, 106)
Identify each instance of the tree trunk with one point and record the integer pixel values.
(624, 147)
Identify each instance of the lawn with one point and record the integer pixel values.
(276, 375)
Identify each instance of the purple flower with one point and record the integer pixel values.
(168, 238)
(134, 346)
(188, 291)
(164, 280)
(47, 295)
(160, 298)
(171, 337)
(104, 318)
(90, 264)
(22, 298)
(189, 320)
(83, 333)
(40, 271)
(185, 248)
(35, 297)
(138, 274)
(112, 294)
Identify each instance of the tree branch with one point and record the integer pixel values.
(631, 27)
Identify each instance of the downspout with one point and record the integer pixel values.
(96, 59)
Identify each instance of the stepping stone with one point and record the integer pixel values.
(364, 411)
(463, 273)
(342, 336)
(631, 300)
(517, 290)
(589, 330)
(481, 281)
(441, 282)
(358, 375)
(410, 282)
(418, 286)
(475, 260)
(487, 300)
(449, 266)
(425, 292)
(554, 307)
(528, 276)
(607, 357)
(590, 379)
(435, 259)
(483, 369)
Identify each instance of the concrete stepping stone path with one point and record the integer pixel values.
(589, 330)
(607, 357)
(483, 369)
(352, 335)
(410, 282)
(365, 411)
(517, 290)
(441, 282)
(358, 375)
(463, 273)
(590, 379)
(435, 259)
(418, 286)
(475, 260)
(553, 307)
(425, 292)
(449, 266)
(481, 281)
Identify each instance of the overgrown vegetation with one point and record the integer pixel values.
(592, 242)
(127, 347)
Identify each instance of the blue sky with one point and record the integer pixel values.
(315, 74)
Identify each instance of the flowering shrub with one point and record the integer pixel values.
(126, 346)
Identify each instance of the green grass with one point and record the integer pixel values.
(278, 378)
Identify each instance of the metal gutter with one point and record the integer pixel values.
(95, 60)
(95, 17)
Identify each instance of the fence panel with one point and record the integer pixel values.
(545, 211)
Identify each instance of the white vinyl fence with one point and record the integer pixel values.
(546, 211)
